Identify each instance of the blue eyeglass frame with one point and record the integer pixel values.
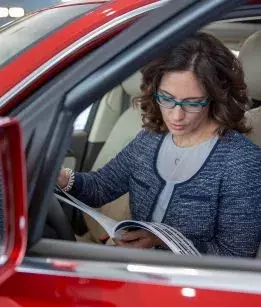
(202, 103)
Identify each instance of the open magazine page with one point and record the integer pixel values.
(175, 241)
(179, 239)
(172, 238)
(106, 222)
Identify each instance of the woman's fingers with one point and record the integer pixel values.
(137, 239)
(134, 235)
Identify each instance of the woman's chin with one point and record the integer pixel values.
(177, 132)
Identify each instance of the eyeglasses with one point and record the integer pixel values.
(186, 105)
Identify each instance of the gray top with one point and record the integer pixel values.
(177, 164)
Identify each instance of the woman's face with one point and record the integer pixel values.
(183, 85)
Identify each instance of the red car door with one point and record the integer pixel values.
(13, 212)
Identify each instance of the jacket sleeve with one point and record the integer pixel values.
(238, 225)
(109, 182)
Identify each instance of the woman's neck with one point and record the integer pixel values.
(197, 137)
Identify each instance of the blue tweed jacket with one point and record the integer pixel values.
(218, 208)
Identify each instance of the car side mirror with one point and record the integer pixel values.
(13, 197)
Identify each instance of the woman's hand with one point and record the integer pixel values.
(138, 239)
(63, 178)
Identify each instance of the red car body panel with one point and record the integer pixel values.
(15, 188)
(36, 289)
(48, 290)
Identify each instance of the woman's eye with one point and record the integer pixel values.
(193, 102)
(165, 98)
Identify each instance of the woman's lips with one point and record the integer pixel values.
(177, 127)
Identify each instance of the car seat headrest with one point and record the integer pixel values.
(132, 85)
(249, 56)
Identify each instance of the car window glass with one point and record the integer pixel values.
(19, 36)
(81, 120)
(235, 52)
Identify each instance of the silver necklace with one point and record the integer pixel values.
(178, 156)
(178, 159)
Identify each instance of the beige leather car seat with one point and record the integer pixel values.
(250, 57)
(125, 129)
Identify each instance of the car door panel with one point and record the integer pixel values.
(76, 150)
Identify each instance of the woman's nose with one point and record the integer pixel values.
(177, 113)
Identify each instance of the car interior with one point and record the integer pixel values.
(111, 123)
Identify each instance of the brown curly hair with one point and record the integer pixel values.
(219, 72)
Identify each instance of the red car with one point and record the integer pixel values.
(70, 62)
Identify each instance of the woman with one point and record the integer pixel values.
(190, 167)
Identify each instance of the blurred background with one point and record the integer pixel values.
(12, 9)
